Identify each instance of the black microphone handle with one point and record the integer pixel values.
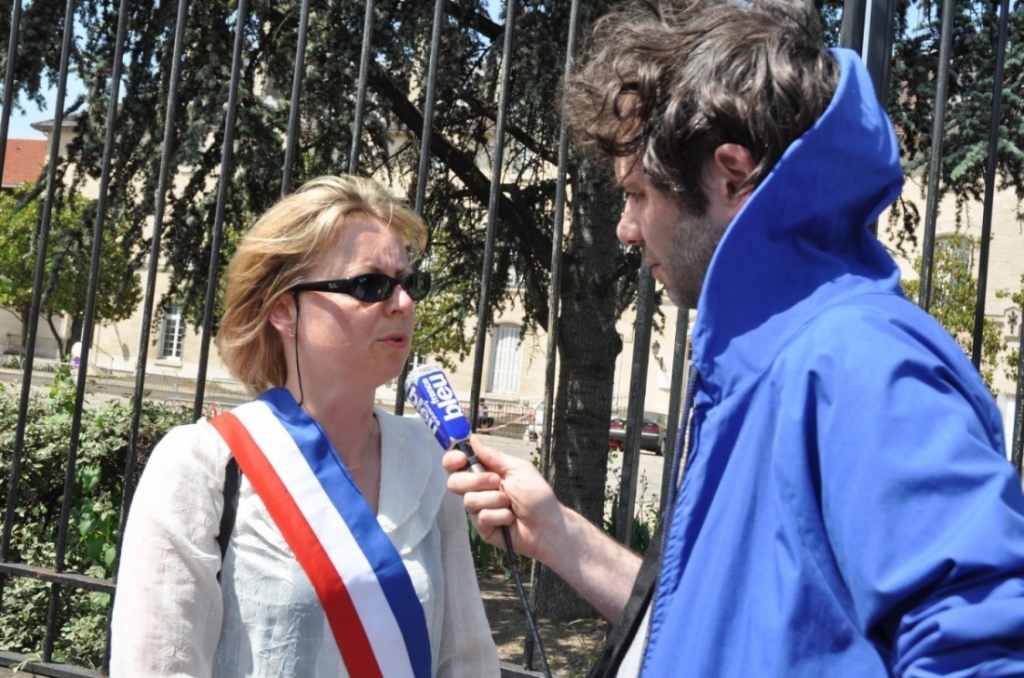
(473, 465)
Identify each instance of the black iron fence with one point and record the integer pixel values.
(866, 26)
(46, 348)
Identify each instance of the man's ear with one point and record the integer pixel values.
(282, 315)
(728, 169)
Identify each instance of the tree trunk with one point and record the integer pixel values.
(588, 344)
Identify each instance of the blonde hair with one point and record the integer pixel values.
(279, 250)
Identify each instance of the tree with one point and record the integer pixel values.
(969, 106)
(600, 276)
(954, 299)
(66, 275)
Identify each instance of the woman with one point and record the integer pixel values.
(346, 555)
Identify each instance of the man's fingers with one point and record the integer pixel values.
(490, 519)
(453, 461)
(461, 483)
(476, 502)
(492, 458)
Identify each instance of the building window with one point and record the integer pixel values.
(172, 334)
(506, 360)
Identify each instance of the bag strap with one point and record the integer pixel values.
(625, 629)
(232, 481)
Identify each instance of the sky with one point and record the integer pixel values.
(21, 121)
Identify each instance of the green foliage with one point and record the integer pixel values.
(1013, 357)
(93, 526)
(457, 192)
(66, 277)
(954, 299)
(647, 513)
(969, 107)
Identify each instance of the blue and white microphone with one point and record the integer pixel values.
(433, 397)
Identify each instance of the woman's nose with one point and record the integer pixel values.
(400, 301)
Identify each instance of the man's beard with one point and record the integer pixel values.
(693, 245)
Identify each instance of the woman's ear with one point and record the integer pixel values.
(283, 316)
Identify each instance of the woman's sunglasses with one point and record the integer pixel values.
(371, 287)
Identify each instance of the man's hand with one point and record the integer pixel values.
(512, 493)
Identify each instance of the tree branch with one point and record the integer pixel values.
(519, 221)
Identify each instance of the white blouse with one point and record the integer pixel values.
(173, 618)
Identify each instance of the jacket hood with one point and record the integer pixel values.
(801, 241)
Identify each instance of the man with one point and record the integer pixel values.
(846, 509)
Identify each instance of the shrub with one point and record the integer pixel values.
(94, 517)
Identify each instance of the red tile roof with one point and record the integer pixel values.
(23, 161)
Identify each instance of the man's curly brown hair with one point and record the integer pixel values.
(670, 84)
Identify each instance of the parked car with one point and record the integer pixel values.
(651, 438)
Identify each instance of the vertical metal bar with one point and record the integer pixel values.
(554, 294)
(935, 161)
(483, 310)
(293, 112)
(424, 165)
(554, 301)
(635, 410)
(990, 184)
(423, 169)
(879, 29)
(37, 287)
(679, 363)
(90, 317)
(12, 49)
(222, 194)
(151, 274)
(5, 120)
(868, 27)
(851, 30)
(364, 67)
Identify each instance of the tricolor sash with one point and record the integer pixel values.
(375, 615)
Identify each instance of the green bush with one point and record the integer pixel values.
(647, 512)
(93, 526)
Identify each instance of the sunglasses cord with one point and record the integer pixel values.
(530, 621)
(298, 372)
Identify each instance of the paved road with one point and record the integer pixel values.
(125, 388)
(651, 465)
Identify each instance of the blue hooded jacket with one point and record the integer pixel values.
(847, 509)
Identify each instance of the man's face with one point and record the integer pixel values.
(677, 244)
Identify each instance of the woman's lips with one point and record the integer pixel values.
(396, 340)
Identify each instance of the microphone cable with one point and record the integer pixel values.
(473, 465)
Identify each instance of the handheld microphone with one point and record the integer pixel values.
(434, 398)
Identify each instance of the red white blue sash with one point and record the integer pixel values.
(376, 617)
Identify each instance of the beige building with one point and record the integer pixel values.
(514, 363)
(1005, 268)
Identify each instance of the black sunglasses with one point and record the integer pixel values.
(371, 287)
